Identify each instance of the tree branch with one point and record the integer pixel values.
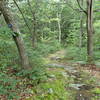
(0, 13)
(81, 7)
(29, 4)
(22, 15)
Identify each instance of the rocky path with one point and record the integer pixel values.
(83, 82)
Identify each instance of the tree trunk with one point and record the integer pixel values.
(16, 33)
(31, 30)
(90, 30)
(34, 39)
(34, 31)
(59, 26)
(81, 28)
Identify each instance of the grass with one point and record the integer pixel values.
(52, 89)
(56, 87)
(96, 91)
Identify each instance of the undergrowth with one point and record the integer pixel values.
(54, 88)
(75, 54)
(10, 66)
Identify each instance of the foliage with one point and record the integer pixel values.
(10, 63)
(52, 88)
(79, 54)
(97, 92)
(45, 20)
(8, 86)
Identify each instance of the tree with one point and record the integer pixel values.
(81, 27)
(59, 15)
(90, 30)
(33, 23)
(89, 23)
(31, 30)
(16, 33)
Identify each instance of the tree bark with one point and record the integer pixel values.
(59, 15)
(22, 15)
(16, 33)
(31, 30)
(89, 23)
(59, 26)
(34, 39)
(81, 27)
(90, 30)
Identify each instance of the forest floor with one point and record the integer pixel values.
(63, 80)
(67, 80)
(60, 58)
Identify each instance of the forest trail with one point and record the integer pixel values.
(65, 80)
(58, 58)
(83, 78)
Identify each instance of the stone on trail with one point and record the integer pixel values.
(56, 65)
(55, 58)
(65, 74)
(52, 76)
(81, 86)
(76, 86)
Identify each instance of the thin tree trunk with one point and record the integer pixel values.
(31, 30)
(90, 30)
(59, 26)
(22, 16)
(81, 28)
(89, 23)
(16, 34)
(34, 39)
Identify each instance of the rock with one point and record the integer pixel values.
(72, 76)
(56, 65)
(55, 58)
(65, 74)
(70, 69)
(76, 86)
(50, 90)
(81, 86)
(52, 76)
